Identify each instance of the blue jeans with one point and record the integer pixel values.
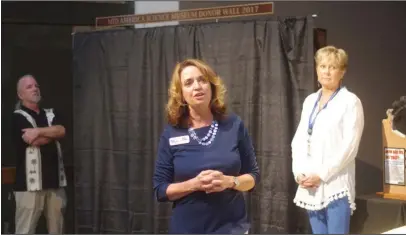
(334, 219)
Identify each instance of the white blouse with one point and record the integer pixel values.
(333, 147)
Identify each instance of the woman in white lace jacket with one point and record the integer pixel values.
(325, 146)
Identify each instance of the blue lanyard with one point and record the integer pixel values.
(311, 123)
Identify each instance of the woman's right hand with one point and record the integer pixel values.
(307, 182)
(300, 179)
(199, 183)
(204, 178)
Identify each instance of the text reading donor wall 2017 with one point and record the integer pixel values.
(195, 14)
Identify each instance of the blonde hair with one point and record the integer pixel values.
(176, 109)
(337, 55)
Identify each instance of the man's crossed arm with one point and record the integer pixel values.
(43, 135)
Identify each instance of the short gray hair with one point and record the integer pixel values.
(21, 78)
(18, 103)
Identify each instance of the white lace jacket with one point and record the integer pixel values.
(334, 141)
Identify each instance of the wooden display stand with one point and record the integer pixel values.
(8, 175)
(394, 146)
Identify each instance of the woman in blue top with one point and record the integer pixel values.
(205, 157)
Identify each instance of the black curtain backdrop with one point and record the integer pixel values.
(121, 80)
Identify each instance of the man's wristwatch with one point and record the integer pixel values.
(236, 182)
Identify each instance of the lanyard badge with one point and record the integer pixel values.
(312, 122)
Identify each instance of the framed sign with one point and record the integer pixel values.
(394, 166)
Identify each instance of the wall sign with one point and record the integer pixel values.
(183, 15)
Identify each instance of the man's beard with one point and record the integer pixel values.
(36, 99)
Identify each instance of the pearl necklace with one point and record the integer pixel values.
(208, 139)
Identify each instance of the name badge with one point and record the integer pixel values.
(179, 140)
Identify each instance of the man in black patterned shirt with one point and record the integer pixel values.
(40, 175)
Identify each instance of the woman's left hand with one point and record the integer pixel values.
(219, 183)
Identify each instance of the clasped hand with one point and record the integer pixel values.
(30, 134)
(309, 181)
(212, 181)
